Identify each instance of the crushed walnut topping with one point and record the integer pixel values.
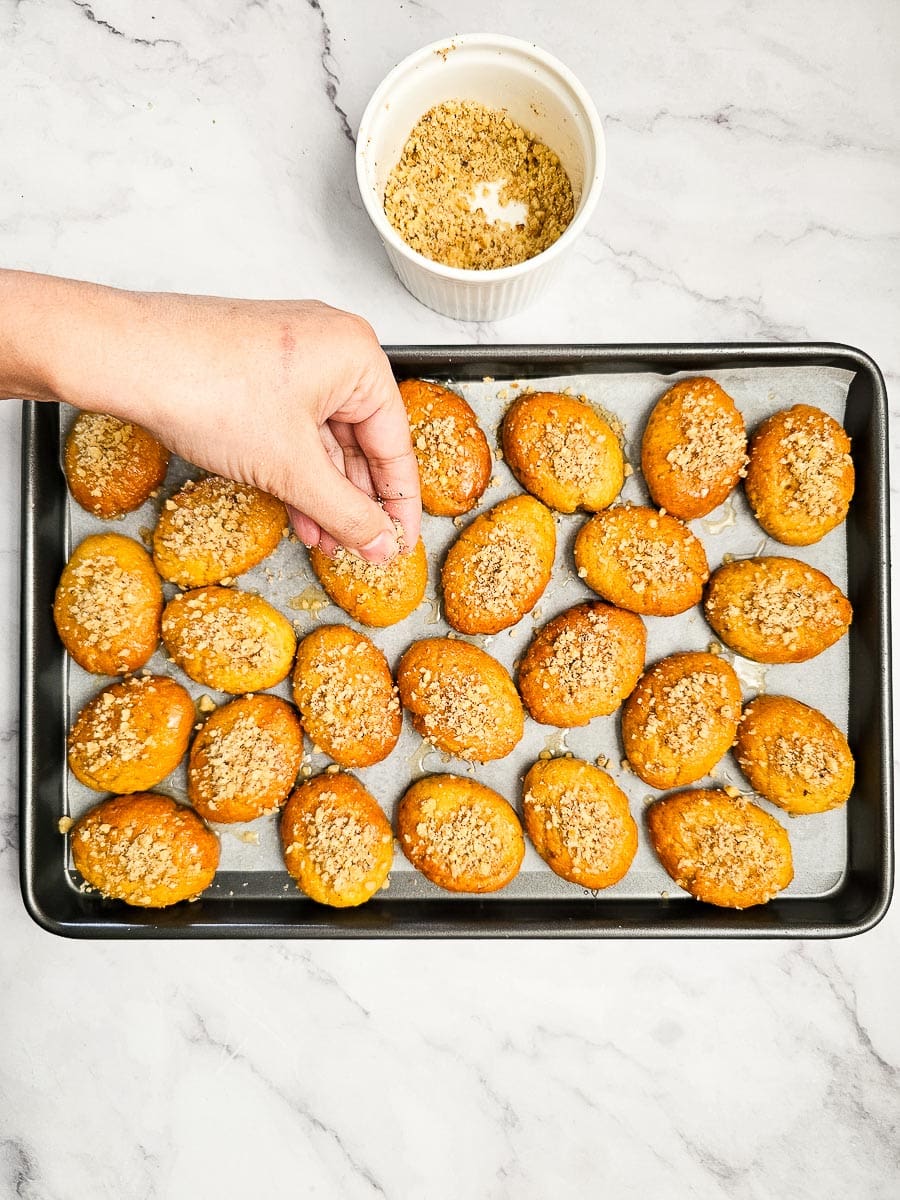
(713, 443)
(101, 596)
(342, 849)
(130, 853)
(733, 853)
(573, 452)
(501, 571)
(649, 559)
(801, 758)
(685, 712)
(583, 657)
(104, 447)
(780, 611)
(244, 761)
(588, 829)
(816, 470)
(352, 700)
(106, 734)
(456, 701)
(210, 519)
(466, 841)
(230, 633)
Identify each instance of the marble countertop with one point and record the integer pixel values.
(752, 192)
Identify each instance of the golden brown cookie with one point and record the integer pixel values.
(461, 699)
(776, 610)
(582, 664)
(461, 835)
(681, 718)
(245, 759)
(694, 448)
(579, 821)
(112, 467)
(145, 849)
(228, 639)
(337, 842)
(452, 452)
(375, 594)
(793, 755)
(498, 567)
(131, 735)
(562, 451)
(215, 529)
(642, 560)
(724, 851)
(800, 478)
(346, 696)
(108, 605)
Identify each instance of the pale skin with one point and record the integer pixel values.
(292, 396)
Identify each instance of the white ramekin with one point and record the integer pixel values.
(542, 96)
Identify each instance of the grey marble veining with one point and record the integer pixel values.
(753, 192)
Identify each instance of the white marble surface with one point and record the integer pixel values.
(753, 191)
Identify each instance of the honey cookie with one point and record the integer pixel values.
(776, 610)
(499, 566)
(228, 639)
(346, 696)
(245, 759)
(800, 478)
(145, 849)
(582, 664)
(681, 718)
(461, 699)
(793, 755)
(131, 735)
(452, 452)
(725, 851)
(337, 842)
(375, 594)
(642, 560)
(579, 821)
(562, 451)
(461, 835)
(108, 604)
(215, 529)
(112, 467)
(694, 448)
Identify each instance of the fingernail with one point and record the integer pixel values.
(381, 548)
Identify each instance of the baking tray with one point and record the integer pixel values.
(856, 900)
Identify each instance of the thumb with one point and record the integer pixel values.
(327, 499)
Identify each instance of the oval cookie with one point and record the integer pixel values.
(562, 451)
(215, 529)
(776, 610)
(461, 699)
(108, 604)
(375, 594)
(800, 478)
(579, 821)
(112, 467)
(228, 639)
(145, 849)
(793, 755)
(582, 664)
(498, 567)
(461, 835)
(725, 851)
(452, 452)
(346, 696)
(681, 718)
(337, 842)
(245, 759)
(131, 735)
(642, 560)
(694, 448)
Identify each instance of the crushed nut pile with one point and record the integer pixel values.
(457, 152)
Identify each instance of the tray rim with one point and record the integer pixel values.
(475, 918)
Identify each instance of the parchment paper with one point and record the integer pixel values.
(251, 862)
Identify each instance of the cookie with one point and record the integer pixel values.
(562, 451)
(793, 755)
(579, 821)
(694, 448)
(346, 696)
(641, 560)
(582, 664)
(461, 835)
(452, 452)
(108, 604)
(337, 842)
(499, 566)
(725, 851)
(245, 759)
(375, 594)
(776, 610)
(112, 467)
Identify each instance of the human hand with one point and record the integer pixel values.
(293, 397)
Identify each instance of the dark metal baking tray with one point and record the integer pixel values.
(861, 897)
